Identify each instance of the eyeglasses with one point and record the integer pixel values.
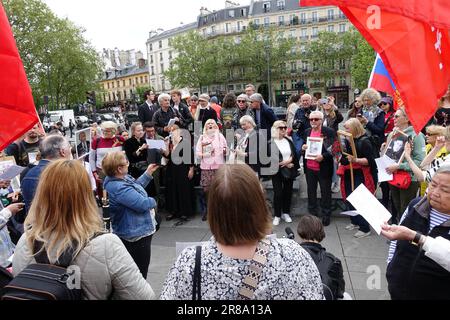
(314, 119)
(241, 101)
(397, 116)
(282, 128)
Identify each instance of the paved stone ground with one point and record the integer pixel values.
(364, 260)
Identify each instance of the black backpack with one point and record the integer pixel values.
(44, 281)
(331, 273)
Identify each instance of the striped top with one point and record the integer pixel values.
(436, 219)
(434, 167)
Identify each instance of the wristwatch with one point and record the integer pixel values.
(416, 240)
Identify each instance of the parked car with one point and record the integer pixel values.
(82, 122)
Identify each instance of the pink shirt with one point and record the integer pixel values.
(211, 155)
(313, 164)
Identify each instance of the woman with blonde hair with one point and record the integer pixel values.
(211, 149)
(239, 220)
(100, 147)
(75, 230)
(364, 171)
(287, 164)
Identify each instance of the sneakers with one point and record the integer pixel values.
(361, 234)
(351, 227)
(335, 188)
(286, 217)
(276, 221)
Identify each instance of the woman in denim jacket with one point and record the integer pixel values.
(131, 218)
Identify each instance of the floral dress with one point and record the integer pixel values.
(289, 274)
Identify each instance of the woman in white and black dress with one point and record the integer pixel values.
(283, 153)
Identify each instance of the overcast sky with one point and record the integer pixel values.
(125, 24)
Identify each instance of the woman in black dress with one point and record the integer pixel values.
(179, 174)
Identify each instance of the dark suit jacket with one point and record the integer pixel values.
(144, 112)
(80, 149)
(267, 119)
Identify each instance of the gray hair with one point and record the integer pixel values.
(256, 97)
(163, 96)
(50, 146)
(248, 119)
(371, 94)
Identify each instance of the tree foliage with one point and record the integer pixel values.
(325, 53)
(58, 60)
(227, 59)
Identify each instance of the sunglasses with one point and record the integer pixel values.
(314, 119)
(241, 101)
(282, 128)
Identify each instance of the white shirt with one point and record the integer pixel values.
(438, 249)
(284, 147)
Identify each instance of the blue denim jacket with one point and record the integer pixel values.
(30, 182)
(130, 206)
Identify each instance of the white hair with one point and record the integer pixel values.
(316, 113)
(248, 119)
(163, 96)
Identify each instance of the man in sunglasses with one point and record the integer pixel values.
(319, 170)
(242, 109)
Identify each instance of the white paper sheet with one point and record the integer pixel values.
(369, 207)
(12, 172)
(156, 144)
(171, 122)
(382, 164)
(352, 213)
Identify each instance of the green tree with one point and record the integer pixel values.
(362, 62)
(325, 53)
(194, 65)
(58, 60)
(225, 59)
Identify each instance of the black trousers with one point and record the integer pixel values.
(312, 179)
(282, 194)
(140, 251)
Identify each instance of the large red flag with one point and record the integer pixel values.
(17, 110)
(416, 54)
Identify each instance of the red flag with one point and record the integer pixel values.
(416, 54)
(17, 110)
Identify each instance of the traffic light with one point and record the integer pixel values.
(90, 97)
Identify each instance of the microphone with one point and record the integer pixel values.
(290, 233)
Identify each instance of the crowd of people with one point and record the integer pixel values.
(226, 151)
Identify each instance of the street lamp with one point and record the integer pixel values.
(267, 47)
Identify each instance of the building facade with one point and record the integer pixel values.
(119, 85)
(160, 53)
(302, 24)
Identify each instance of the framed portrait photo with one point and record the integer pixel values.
(344, 136)
(395, 146)
(83, 142)
(314, 148)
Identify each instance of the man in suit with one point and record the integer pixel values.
(148, 108)
(264, 115)
(83, 147)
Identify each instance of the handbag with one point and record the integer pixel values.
(289, 173)
(401, 180)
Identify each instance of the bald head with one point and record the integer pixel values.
(306, 100)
